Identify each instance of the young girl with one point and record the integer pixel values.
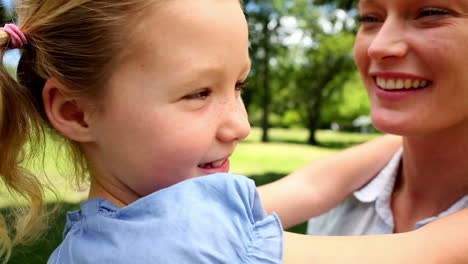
(148, 93)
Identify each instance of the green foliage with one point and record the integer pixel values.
(291, 119)
(302, 59)
(346, 105)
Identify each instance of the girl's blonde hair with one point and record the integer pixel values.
(76, 42)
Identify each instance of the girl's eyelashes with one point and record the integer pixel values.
(240, 86)
(202, 94)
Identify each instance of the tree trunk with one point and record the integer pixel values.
(314, 116)
(313, 126)
(312, 139)
(266, 83)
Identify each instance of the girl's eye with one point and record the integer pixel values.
(433, 11)
(240, 86)
(203, 94)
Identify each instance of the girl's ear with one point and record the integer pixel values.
(67, 114)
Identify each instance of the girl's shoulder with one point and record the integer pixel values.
(211, 219)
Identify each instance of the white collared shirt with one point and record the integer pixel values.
(368, 210)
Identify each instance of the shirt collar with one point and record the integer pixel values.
(458, 206)
(382, 182)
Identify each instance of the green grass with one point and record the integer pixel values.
(287, 150)
(264, 162)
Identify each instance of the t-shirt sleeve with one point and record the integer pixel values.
(211, 219)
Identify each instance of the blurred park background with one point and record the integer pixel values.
(304, 99)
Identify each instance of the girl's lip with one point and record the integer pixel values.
(224, 167)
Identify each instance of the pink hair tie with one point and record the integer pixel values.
(18, 39)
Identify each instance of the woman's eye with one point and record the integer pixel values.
(203, 94)
(368, 19)
(433, 11)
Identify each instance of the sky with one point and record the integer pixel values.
(11, 57)
(7, 3)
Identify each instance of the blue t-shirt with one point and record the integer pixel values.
(211, 219)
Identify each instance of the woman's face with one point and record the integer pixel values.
(413, 58)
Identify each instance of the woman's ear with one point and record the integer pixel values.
(67, 114)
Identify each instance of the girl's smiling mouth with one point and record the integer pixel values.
(221, 165)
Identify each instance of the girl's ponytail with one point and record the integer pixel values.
(78, 43)
(19, 128)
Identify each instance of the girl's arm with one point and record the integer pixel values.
(442, 241)
(323, 184)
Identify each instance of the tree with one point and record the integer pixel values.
(323, 63)
(302, 74)
(329, 67)
(263, 24)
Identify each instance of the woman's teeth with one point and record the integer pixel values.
(400, 83)
(211, 165)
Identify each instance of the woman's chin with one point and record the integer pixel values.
(391, 125)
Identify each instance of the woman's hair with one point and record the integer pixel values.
(75, 42)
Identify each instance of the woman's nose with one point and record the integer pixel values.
(389, 41)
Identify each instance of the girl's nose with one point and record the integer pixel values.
(235, 123)
(389, 41)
